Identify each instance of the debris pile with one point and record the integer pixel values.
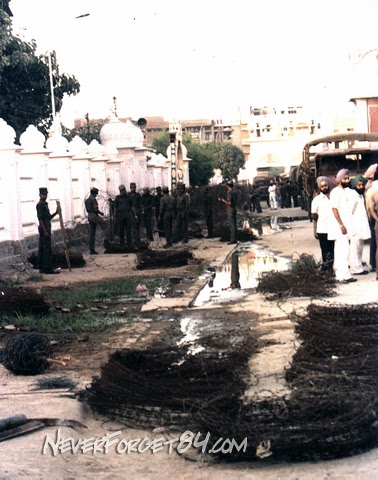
(22, 301)
(59, 259)
(133, 248)
(26, 353)
(304, 278)
(163, 259)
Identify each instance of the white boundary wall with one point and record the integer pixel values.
(68, 170)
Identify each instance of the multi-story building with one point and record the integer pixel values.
(277, 136)
(203, 131)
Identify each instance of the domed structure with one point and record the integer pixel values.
(56, 142)
(77, 146)
(121, 134)
(7, 135)
(32, 139)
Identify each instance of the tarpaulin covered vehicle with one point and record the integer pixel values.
(327, 155)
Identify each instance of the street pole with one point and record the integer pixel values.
(51, 86)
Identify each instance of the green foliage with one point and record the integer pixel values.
(227, 157)
(88, 132)
(201, 166)
(160, 143)
(81, 319)
(205, 158)
(24, 82)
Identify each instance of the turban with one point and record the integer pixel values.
(356, 179)
(371, 171)
(319, 180)
(344, 172)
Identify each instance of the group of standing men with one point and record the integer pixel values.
(131, 209)
(342, 224)
(283, 195)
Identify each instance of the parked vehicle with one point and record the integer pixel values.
(263, 176)
(327, 155)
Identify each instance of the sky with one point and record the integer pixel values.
(201, 58)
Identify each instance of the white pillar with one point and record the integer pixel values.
(10, 205)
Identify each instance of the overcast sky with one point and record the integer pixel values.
(200, 58)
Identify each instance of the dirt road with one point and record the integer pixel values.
(37, 455)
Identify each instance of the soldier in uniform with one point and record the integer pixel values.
(182, 209)
(208, 207)
(167, 214)
(231, 202)
(137, 211)
(94, 219)
(44, 229)
(157, 199)
(123, 215)
(147, 203)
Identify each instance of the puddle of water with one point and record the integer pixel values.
(270, 225)
(189, 328)
(240, 272)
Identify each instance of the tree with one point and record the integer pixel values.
(160, 143)
(25, 97)
(88, 132)
(227, 157)
(201, 166)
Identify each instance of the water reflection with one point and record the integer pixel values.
(235, 273)
(240, 273)
(269, 225)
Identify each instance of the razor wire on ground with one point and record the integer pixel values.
(303, 278)
(329, 412)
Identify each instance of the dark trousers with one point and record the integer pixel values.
(95, 220)
(168, 225)
(135, 229)
(256, 206)
(327, 247)
(373, 244)
(231, 214)
(181, 227)
(209, 225)
(147, 220)
(124, 226)
(44, 262)
(159, 224)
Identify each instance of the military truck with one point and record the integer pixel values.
(263, 176)
(327, 155)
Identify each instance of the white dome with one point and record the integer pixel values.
(121, 134)
(32, 139)
(57, 143)
(96, 148)
(77, 146)
(7, 134)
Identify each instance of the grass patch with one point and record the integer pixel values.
(89, 294)
(80, 319)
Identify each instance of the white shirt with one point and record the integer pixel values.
(344, 199)
(272, 189)
(360, 218)
(321, 205)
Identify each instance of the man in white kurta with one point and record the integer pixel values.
(343, 204)
(361, 228)
(321, 213)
